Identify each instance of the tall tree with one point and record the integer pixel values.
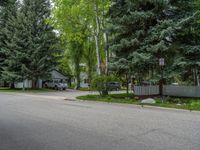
(41, 45)
(188, 40)
(71, 20)
(135, 38)
(144, 31)
(84, 14)
(8, 38)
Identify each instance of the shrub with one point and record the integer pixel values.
(100, 83)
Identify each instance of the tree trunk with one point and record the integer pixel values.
(97, 34)
(77, 72)
(12, 85)
(105, 37)
(34, 84)
(90, 66)
(127, 84)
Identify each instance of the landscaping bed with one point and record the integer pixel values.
(168, 102)
(112, 98)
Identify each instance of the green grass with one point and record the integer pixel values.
(86, 89)
(187, 104)
(112, 98)
(26, 90)
(182, 103)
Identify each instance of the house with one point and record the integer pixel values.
(55, 76)
(84, 80)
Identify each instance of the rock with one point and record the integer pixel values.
(148, 101)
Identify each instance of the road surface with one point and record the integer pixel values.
(48, 122)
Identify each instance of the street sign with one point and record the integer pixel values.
(161, 61)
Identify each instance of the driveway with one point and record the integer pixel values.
(46, 121)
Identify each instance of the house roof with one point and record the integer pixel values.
(58, 75)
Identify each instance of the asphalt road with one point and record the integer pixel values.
(48, 122)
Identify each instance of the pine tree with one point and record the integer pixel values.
(145, 30)
(41, 44)
(187, 62)
(9, 68)
(138, 35)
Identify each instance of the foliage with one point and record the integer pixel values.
(187, 61)
(100, 83)
(144, 31)
(42, 45)
(89, 59)
(64, 65)
(9, 68)
(29, 43)
(73, 28)
(81, 22)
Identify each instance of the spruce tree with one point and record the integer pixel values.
(137, 42)
(41, 44)
(8, 47)
(187, 62)
(145, 30)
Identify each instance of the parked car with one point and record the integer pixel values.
(114, 86)
(57, 85)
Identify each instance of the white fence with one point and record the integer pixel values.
(27, 84)
(146, 90)
(168, 90)
(182, 91)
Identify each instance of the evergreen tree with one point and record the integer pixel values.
(41, 45)
(145, 30)
(138, 29)
(29, 43)
(9, 68)
(187, 62)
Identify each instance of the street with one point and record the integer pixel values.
(48, 121)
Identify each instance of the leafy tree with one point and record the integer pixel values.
(81, 20)
(89, 59)
(70, 18)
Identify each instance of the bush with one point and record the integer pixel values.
(100, 83)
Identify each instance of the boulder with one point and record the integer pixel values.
(148, 101)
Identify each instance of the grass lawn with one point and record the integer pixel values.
(86, 89)
(26, 90)
(178, 103)
(112, 98)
